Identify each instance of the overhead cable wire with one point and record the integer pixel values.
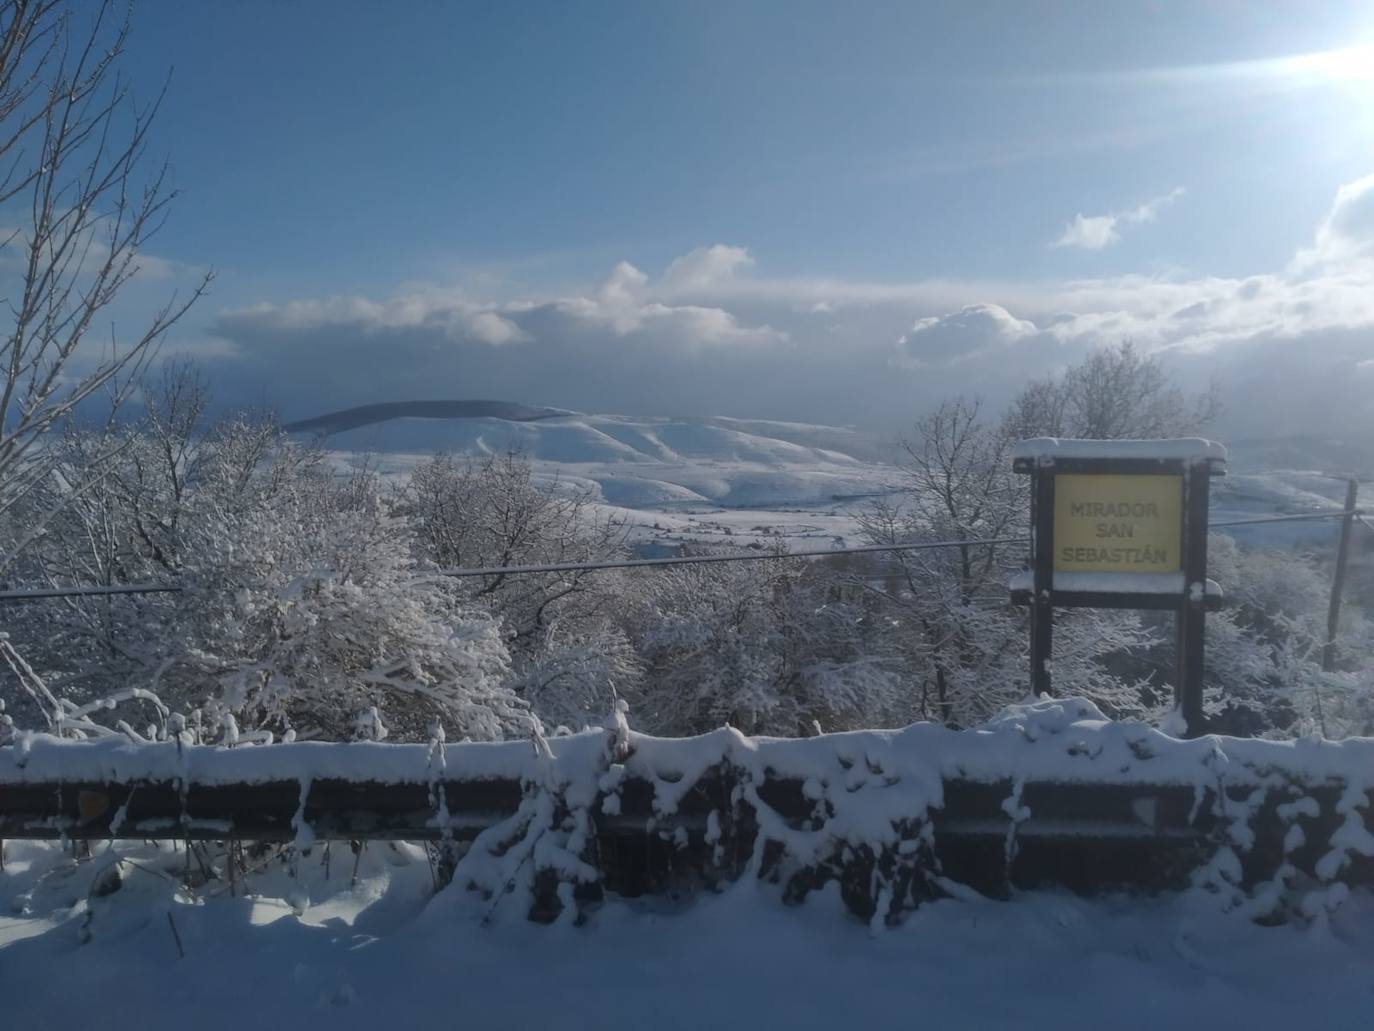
(43, 593)
(686, 560)
(1299, 517)
(46, 593)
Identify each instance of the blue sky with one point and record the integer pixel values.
(436, 197)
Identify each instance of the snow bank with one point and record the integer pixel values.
(41, 758)
(364, 954)
(1064, 740)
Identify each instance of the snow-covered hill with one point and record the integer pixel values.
(739, 480)
(1288, 476)
(655, 460)
(675, 478)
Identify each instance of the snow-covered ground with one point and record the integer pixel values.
(673, 480)
(387, 953)
(1279, 491)
(302, 939)
(715, 480)
(645, 463)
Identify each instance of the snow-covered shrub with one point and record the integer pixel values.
(767, 647)
(337, 621)
(1264, 650)
(575, 674)
(302, 600)
(568, 653)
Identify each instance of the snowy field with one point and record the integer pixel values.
(713, 481)
(731, 482)
(389, 953)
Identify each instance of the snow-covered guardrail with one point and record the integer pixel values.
(1048, 794)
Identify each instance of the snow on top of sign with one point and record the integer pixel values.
(1183, 448)
(1131, 583)
(1114, 583)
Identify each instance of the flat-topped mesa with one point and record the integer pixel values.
(1182, 449)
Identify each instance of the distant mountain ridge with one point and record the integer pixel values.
(367, 415)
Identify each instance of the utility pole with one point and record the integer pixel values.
(1333, 613)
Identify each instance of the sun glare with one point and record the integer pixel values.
(1348, 64)
(1350, 67)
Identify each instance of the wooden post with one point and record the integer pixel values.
(1042, 603)
(1193, 607)
(1333, 613)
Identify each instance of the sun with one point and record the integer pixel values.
(1345, 74)
(1354, 65)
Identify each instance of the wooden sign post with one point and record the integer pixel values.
(1120, 524)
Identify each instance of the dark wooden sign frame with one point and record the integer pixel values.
(1189, 605)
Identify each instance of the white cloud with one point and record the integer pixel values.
(713, 335)
(1347, 232)
(449, 315)
(704, 267)
(623, 288)
(1089, 232)
(627, 303)
(975, 331)
(1094, 232)
(493, 329)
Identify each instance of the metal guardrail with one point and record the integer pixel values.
(991, 832)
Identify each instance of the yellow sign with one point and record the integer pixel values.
(1117, 524)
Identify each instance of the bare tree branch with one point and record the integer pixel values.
(75, 144)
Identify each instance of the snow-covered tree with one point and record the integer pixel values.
(1116, 393)
(569, 655)
(573, 677)
(331, 620)
(965, 644)
(959, 487)
(302, 601)
(769, 647)
(1264, 649)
